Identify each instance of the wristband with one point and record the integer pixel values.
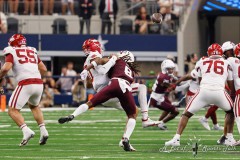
(94, 64)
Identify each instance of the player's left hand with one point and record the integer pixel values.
(84, 74)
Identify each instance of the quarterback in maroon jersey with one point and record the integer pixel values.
(121, 76)
(158, 98)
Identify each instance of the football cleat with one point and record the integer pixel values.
(148, 122)
(237, 143)
(126, 145)
(65, 119)
(219, 128)
(221, 141)
(26, 137)
(173, 142)
(229, 141)
(204, 122)
(43, 140)
(121, 145)
(162, 126)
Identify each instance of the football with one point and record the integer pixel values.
(157, 17)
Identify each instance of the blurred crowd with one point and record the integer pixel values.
(108, 11)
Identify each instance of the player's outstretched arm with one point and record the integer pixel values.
(42, 68)
(184, 78)
(5, 68)
(106, 67)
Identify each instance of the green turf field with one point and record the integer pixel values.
(96, 134)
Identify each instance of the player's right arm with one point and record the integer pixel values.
(42, 68)
(105, 62)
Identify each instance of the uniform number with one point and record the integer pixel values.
(217, 66)
(25, 56)
(128, 71)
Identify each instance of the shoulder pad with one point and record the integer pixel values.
(34, 49)
(8, 50)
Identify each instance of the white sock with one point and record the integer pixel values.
(129, 128)
(229, 135)
(43, 129)
(177, 136)
(81, 109)
(24, 128)
(144, 115)
(142, 99)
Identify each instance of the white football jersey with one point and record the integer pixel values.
(98, 80)
(214, 73)
(235, 64)
(25, 62)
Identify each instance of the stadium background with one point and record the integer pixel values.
(200, 23)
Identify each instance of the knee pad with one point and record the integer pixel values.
(230, 111)
(187, 114)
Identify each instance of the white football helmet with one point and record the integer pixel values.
(228, 46)
(167, 63)
(126, 55)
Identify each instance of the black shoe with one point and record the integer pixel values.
(65, 119)
(43, 140)
(221, 141)
(126, 145)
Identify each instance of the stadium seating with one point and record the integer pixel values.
(59, 26)
(12, 25)
(126, 26)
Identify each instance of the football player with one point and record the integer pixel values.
(213, 72)
(158, 98)
(192, 86)
(228, 52)
(93, 51)
(121, 76)
(235, 64)
(27, 70)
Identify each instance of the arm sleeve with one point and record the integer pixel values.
(103, 69)
(182, 87)
(9, 58)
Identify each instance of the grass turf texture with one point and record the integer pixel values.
(96, 134)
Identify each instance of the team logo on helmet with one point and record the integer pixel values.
(17, 40)
(91, 45)
(215, 50)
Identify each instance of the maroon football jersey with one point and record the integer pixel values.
(162, 83)
(121, 70)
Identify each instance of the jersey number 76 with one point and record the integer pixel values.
(217, 66)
